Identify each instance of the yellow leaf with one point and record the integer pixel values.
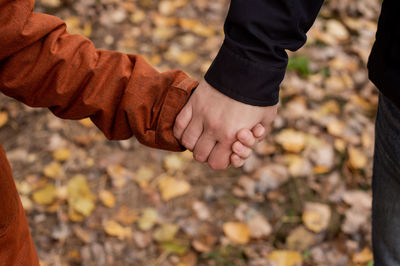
(119, 175)
(62, 154)
(52, 170)
(336, 128)
(238, 233)
(45, 195)
(3, 118)
(80, 198)
(285, 258)
(316, 216)
(363, 257)
(148, 219)
(165, 233)
(196, 27)
(173, 162)
(113, 228)
(107, 198)
(143, 176)
(291, 140)
(171, 187)
(357, 159)
(320, 169)
(185, 58)
(86, 122)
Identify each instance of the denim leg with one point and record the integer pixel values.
(386, 185)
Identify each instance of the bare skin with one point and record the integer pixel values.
(210, 122)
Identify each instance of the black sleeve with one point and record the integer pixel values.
(252, 61)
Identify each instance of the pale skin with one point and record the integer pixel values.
(216, 127)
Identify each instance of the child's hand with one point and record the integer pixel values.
(243, 147)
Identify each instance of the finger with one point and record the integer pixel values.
(258, 130)
(219, 158)
(242, 151)
(192, 133)
(236, 161)
(203, 147)
(182, 121)
(246, 137)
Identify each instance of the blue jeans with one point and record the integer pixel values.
(386, 185)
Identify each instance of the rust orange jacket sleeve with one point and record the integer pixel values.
(44, 66)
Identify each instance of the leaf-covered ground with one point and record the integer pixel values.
(304, 197)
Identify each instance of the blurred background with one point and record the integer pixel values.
(303, 198)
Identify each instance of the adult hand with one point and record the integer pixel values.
(210, 120)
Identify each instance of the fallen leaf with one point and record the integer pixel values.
(171, 187)
(300, 239)
(113, 228)
(52, 170)
(238, 233)
(125, 215)
(107, 198)
(204, 243)
(45, 195)
(61, 154)
(357, 159)
(143, 176)
(316, 216)
(3, 118)
(86, 122)
(119, 175)
(175, 248)
(80, 198)
(363, 257)
(291, 140)
(165, 232)
(201, 210)
(285, 258)
(173, 162)
(148, 219)
(259, 227)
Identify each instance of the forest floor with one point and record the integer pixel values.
(303, 198)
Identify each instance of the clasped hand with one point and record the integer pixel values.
(219, 130)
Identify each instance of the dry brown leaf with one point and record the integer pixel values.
(125, 215)
(238, 233)
(204, 243)
(300, 239)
